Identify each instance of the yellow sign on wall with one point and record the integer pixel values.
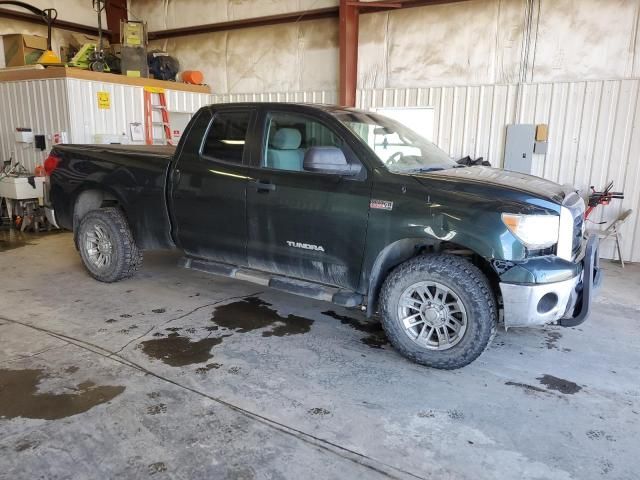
(104, 100)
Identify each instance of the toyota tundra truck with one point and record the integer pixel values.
(341, 205)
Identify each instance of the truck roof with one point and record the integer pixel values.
(325, 107)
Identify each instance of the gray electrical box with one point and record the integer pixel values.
(518, 151)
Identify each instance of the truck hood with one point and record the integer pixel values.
(535, 186)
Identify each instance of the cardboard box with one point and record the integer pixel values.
(21, 49)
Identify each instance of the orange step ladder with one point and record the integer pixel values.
(149, 108)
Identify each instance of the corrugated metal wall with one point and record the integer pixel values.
(38, 104)
(594, 133)
(70, 105)
(314, 96)
(127, 106)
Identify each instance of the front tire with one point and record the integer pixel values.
(108, 250)
(439, 311)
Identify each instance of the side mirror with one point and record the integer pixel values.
(382, 131)
(329, 160)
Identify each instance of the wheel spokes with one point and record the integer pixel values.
(432, 315)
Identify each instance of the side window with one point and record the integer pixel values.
(290, 136)
(226, 137)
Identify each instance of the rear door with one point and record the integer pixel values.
(303, 224)
(208, 187)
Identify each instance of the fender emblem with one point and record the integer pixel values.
(305, 246)
(381, 204)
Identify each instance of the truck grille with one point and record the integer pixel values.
(576, 206)
(578, 224)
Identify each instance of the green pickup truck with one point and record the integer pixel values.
(341, 205)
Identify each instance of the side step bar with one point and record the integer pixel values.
(318, 291)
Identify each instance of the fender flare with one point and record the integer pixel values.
(389, 257)
(402, 250)
(94, 193)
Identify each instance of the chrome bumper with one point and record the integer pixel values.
(568, 301)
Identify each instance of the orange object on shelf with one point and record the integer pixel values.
(193, 77)
(39, 171)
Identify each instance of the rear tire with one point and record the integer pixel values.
(108, 250)
(439, 311)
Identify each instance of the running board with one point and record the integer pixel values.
(303, 288)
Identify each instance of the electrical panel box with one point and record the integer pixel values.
(518, 151)
(24, 135)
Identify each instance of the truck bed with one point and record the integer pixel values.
(132, 176)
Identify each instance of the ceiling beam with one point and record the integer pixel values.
(58, 24)
(293, 17)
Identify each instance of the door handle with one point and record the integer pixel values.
(264, 186)
(176, 176)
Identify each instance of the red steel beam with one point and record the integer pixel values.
(116, 10)
(348, 41)
(315, 14)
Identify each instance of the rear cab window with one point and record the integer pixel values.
(226, 137)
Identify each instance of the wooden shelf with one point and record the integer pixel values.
(68, 72)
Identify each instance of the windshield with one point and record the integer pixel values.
(399, 148)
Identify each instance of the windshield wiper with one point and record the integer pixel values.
(425, 169)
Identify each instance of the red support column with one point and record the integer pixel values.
(348, 53)
(115, 11)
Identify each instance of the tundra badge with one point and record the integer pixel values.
(305, 246)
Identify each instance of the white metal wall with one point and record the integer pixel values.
(594, 133)
(127, 106)
(37, 104)
(70, 105)
(314, 96)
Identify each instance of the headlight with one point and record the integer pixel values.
(534, 231)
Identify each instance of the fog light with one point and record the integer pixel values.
(548, 302)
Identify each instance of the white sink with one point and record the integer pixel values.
(18, 188)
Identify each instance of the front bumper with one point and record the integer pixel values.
(568, 301)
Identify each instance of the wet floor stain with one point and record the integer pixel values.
(426, 414)
(126, 331)
(318, 411)
(600, 434)
(551, 341)
(208, 367)
(376, 337)
(157, 467)
(178, 351)
(23, 445)
(526, 387)
(156, 409)
(455, 414)
(253, 313)
(559, 384)
(11, 239)
(19, 396)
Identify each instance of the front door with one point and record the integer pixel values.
(209, 186)
(304, 224)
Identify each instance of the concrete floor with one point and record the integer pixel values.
(179, 374)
